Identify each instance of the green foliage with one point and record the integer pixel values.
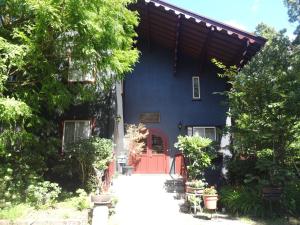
(243, 201)
(41, 42)
(90, 154)
(291, 197)
(80, 202)
(248, 200)
(210, 191)
(14, 212)
(294, 14)
(198, 153)
(238, 169)
(42, 194)
(12, 110)
(196, 183)
(264, 102)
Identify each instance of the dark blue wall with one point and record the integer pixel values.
(152, 87)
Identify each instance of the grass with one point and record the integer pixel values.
(65, 207)
(275, 221)
(15, 212)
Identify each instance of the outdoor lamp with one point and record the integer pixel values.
(179, 125)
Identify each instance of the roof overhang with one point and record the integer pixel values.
(194, 35)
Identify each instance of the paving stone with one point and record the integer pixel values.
(144, 199)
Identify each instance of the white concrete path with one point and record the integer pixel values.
(144, 201)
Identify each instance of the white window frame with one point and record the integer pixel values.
(198, 85)
(68, 121)
(193, 127)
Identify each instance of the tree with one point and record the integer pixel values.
(294, 14)
(43, 43)
(264, 99)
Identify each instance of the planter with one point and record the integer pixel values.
(103, 199)
(194, 190)
(272, 193)
(210, 201)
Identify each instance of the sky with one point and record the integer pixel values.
(242, 14)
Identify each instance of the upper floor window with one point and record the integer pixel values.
(80, 71)
(196, 88)
(75, 130)
(208, 132)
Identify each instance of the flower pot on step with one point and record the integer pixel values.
(210, 201)
(194, 190)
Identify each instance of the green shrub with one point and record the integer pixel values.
(197, 152)
(291, 197)
(81, 201)
(86, 155)
(14, 212)
(237, 170)
(243, 201)
(42, 194)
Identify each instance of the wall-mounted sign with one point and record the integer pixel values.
(153, 117)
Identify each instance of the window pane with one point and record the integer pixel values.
(69, 130)
(198, 131)
(210, 133)
(81, 71)
(82, 130)
(196, 87)
(189, 131)
(157, 144)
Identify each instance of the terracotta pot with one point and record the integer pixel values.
(194, 190)
(210, 201)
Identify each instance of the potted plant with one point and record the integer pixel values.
(195, 186)
(135, 144)
(210, 197)
(198, 154)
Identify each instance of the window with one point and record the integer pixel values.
(81, 71)
(208, 132)
(76, 130)
(196, 88)
(157, 145)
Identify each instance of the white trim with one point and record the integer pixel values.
(63, 137)
(204, 130)
(198, 85)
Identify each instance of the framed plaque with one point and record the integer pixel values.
(150, 117)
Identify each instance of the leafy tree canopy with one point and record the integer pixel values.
(265, 98)
(42, 44)
(294, 14)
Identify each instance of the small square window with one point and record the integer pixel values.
(76, 130)
(196, 88)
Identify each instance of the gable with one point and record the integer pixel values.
(194, 35)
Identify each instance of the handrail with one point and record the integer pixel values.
(181, 164)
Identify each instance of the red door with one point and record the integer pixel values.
(155, 157)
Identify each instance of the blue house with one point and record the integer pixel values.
(173, 88)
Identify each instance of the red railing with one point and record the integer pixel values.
(180, 167)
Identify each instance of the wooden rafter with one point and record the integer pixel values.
(203, 55)
(238, 58)
(245, 50)
(177, 44)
